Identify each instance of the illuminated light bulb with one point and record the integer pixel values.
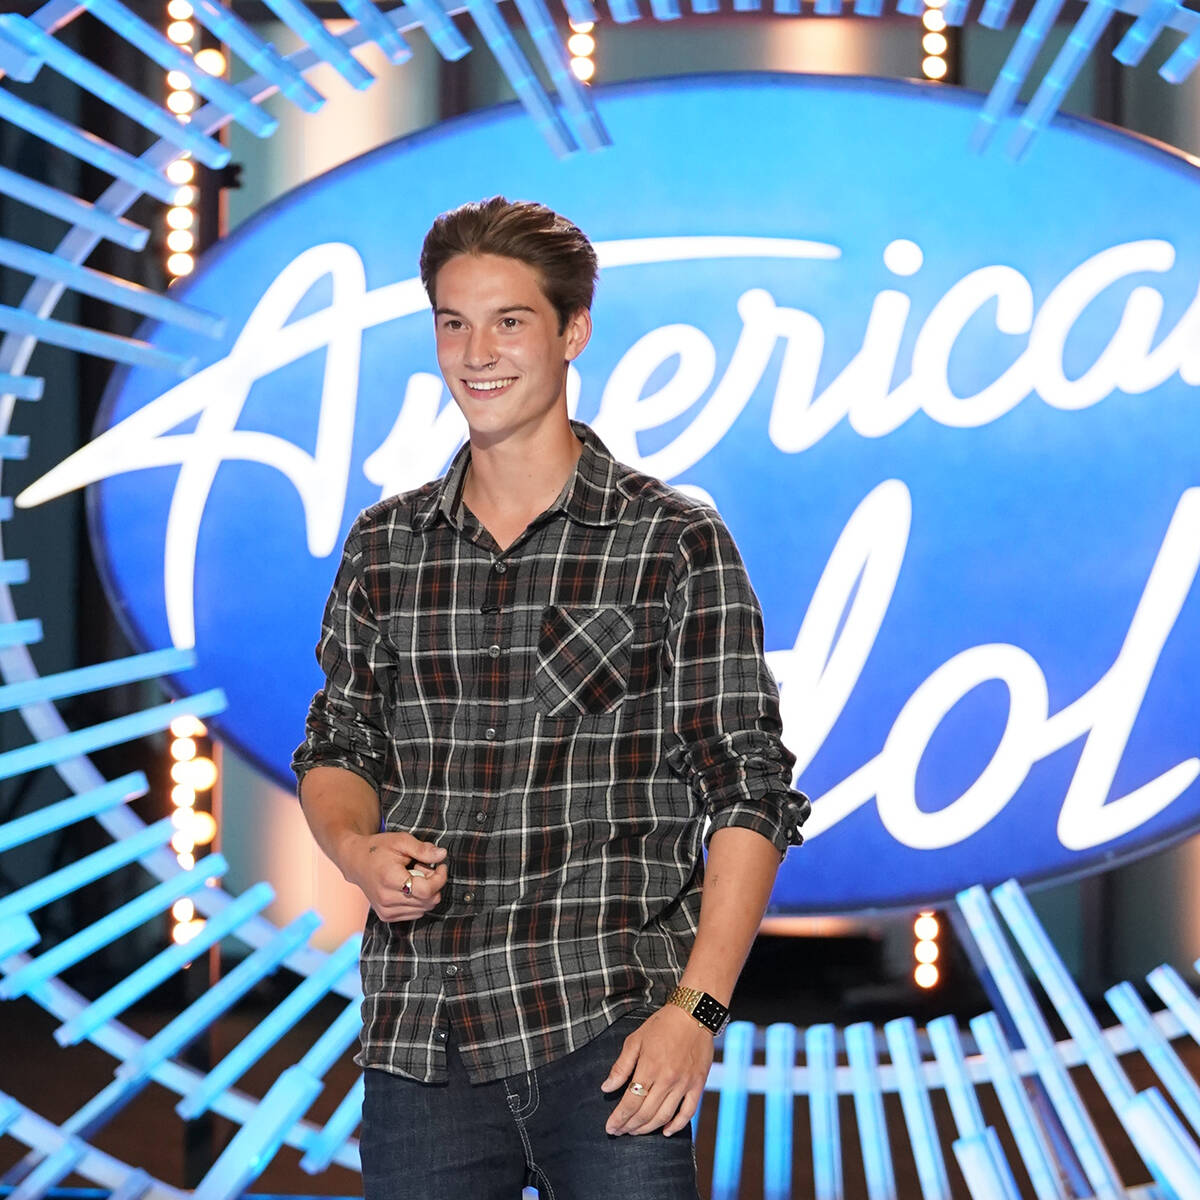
(181, 102)
(178, 80)
(182, 934)
(934, 43)
(180, 240)
(934, 21)
(934, 68)
(182, 170)
(179, 10)
(187, 860)
(926, 975)
(199, 774)
(181, 31)
(181, 818)
(188, 726)
(926, 952)
(582, 26)
(926, 927)
(180, 217)
(182, 842)
(183, 796)
(211, 61)
(181, 264)
(183, 910)
(581, 43)
(204, 827)
(584, 68)
(183, 749)
(187, 195)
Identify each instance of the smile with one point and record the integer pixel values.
(488, 385)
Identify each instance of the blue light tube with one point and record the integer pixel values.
(1166, 1064)
(704, 7)
(345, 1120)
(297, 17)
(575, 97)
(1026, 1126)
(10, 1110)
(731, 1110)
(1064, 993)
(261, 57)
(624, 11)
(442, 31)
(51, 1171)
(955, 12)
(1016, 67)
(787, 8)
(1139, 37)
(258, 1140)
(901, 1035)
(1183, 62)
(113, 91)
(1009, 980)
(75, 808)
(162, 966)
(85, 146)
(269, 1030)
(118, 230)
(828, 8)
(108, 733)
(20, 633)
(520, 74)
(16, 63)
(910, 8)
(14, 571)
(946, 1042)
(1177, 996)
(155, 46)
(133, 1187)
(995, 14)
(6, 508)
(1069, 61)
(17, 934)
(114, 673)
(379, 29)
(13, 447)
(868, 1110)
(22, 387)
(200, 1014)
(580, 11)
(868, 8)
(981, 1159)
(750, 5)
(665, 10)
(1171, 1155)
(334, 1042)
(820, 1059)
(777, 1111)
(130, 296)
(112, 926)
(96, 865)
(112, 346)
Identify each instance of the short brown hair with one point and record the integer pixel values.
(531, 233)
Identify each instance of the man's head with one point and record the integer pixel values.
(557, 251)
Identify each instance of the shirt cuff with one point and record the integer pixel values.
(302, 768)
(777, 817)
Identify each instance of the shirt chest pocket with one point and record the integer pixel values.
(583, 660)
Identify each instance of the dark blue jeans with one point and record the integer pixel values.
(463, 1141)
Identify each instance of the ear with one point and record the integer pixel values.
(578, 333)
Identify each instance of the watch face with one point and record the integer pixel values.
(710, 1013)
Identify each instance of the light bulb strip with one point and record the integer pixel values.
(193, 771)
(926, 950)
(581, 43)
(935, 42)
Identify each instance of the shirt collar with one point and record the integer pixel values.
(589, 496)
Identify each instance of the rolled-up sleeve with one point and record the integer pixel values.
(346, 725)
(724, 730)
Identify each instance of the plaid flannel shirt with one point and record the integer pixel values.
(562, 716)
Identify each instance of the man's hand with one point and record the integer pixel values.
(401, 876)
(669, 1054)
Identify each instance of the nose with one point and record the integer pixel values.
(480, 351)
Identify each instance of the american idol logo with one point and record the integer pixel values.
(946, 403)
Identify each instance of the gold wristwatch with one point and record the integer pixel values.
(710, 1012)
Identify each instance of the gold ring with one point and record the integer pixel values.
(406, 886)
(638, 1089)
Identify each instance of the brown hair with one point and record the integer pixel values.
(531, 233)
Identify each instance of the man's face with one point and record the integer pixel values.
(499, 347)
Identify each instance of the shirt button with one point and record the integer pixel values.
(500, 568)
(493, 652)
(468, 897)
(439, 1035)
(452, 969)
(481, 816)
(490, 734)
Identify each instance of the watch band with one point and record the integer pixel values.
(710, 1012)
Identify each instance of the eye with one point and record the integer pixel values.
(509, 323)
(452, 323)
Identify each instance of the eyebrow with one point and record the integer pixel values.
(442, 311)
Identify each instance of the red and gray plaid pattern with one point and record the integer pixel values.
(561, 716)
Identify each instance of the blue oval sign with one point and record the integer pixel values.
(947, 404)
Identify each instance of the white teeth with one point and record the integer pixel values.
(488, 385)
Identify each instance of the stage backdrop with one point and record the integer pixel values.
(945, 401)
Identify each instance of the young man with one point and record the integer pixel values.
(544, 672)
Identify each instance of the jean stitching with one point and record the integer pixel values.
(514, 1099)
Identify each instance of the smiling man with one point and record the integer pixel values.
(544, 675)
